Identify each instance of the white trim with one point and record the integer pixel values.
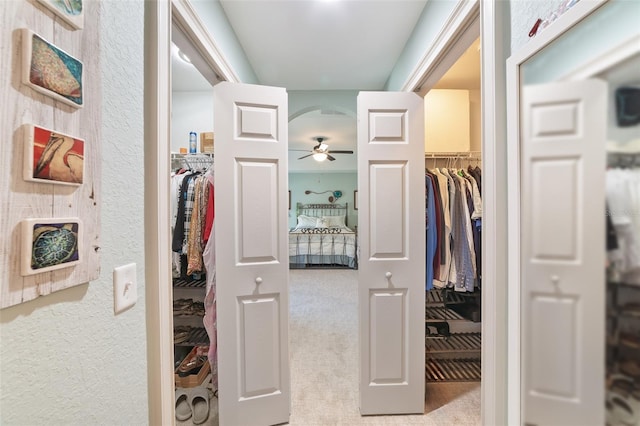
(158, 292)
(186, 18)
(609, 59)
(462, 17)
(494, 265)
(573, 16)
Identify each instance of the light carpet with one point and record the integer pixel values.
(323, 335)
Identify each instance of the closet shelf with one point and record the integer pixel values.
(190, 283)
(449, 297)
(197, 336)
(453, 370)
(456, 345)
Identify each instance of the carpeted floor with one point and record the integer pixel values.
(323, 333)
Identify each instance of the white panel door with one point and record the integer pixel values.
(563, 246)
(391, 276)
(251, 253)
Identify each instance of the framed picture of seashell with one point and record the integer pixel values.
(51, 71)
(50, 244)
(53, 157)
(69, 10)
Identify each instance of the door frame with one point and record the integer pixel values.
(514, 309)
(160, 15)
(490, 16)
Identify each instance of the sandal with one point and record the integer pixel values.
(199, 405)
(183, 409)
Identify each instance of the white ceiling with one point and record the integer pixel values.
(322, 45)
(316, 45)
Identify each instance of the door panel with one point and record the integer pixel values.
(391, 271)
(251, 253)
(563, 245)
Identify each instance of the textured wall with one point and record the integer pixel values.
(65, 358)
(524, 14)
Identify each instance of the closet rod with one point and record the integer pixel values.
(461, 154)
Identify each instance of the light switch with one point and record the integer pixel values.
(125, 288)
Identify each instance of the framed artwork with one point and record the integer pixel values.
(50, 244)
(69, 10)
(53, 157)
(51, 71)
(355, 199)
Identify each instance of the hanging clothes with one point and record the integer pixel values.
(431, 229)
(623, 202)
(454, 222)
(210, 319)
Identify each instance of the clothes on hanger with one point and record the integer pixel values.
(623, 214)
(454, 222)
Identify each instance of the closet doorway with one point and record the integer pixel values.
(453, 144)
(160, 248)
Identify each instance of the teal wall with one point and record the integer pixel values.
(432, 19)
(212, 15)
(318, 182)
(609, 26)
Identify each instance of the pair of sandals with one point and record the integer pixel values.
(192, 402)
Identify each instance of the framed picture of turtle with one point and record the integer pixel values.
(51, 71)
(50, 244)
(53, 157)
(69, 10)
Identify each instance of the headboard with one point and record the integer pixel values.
(319, 210)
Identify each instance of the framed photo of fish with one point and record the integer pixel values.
(51, 71)
(69, 10)
(50, 244)
(53, 157)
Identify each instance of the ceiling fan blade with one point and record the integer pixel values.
(305, 156)
(330, 158)
(341, 152)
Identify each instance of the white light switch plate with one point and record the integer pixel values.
(125, 288)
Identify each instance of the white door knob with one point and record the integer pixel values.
(388, 275)
(258, 280)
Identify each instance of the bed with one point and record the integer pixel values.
(322, 238)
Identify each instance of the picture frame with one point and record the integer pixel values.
(50, 244)
(71, 11)
(51, 71)
(53, 157)
(355, 199)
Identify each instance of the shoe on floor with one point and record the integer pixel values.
(199, 404)
(183, 409)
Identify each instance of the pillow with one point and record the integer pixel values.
(307, 221)
(333, 221)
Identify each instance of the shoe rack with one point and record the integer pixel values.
(453, 336)
(188, 313)
(623, 354)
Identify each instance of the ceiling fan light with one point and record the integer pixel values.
(320, 156)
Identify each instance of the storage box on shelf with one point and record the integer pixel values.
(197, 377)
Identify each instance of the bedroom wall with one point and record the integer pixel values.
(318, 182)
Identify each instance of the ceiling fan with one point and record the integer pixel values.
(321, 151)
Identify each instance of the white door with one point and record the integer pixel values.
(563, 246)
(251, 252)
(391, 276)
